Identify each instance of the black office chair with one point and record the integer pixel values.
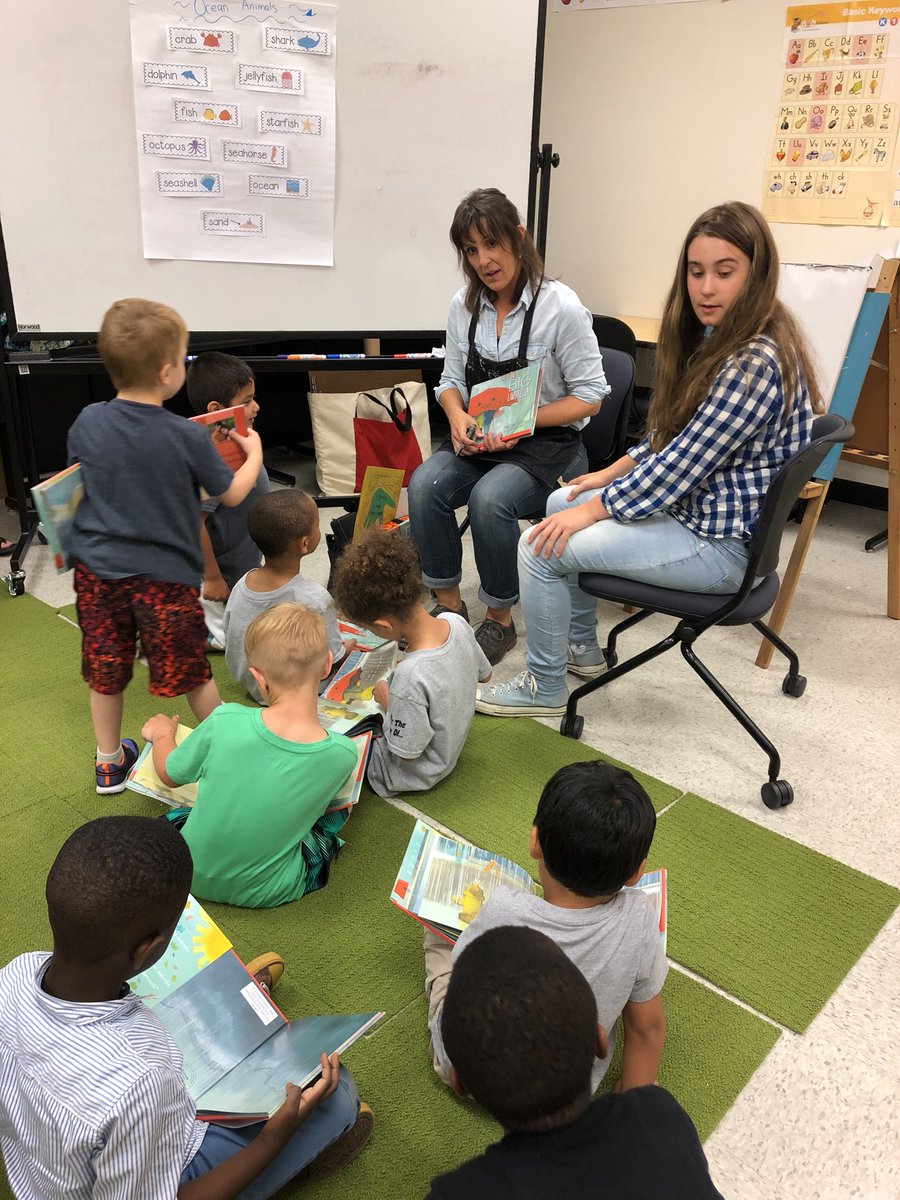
(604, 434)
(611, 332)
(699, 611)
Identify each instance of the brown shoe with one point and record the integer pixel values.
(344, 1150)
(495, 639)
(270, 964)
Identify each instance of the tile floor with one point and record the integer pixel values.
(821, 1117)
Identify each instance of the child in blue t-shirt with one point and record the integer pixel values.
(217, 381)
(134, 540)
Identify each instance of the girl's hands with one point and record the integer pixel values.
(585, 483)
(552, 534)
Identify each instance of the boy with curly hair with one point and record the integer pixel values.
(430, 701)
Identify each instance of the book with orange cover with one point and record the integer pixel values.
(222, 422)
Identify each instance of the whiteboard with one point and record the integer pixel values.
(826, 301)
(659, 112)
(433, 99)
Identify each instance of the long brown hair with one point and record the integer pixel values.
(687, 361)
(494, 215)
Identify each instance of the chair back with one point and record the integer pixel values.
(782, 493)
(610, 331)
(604, 434)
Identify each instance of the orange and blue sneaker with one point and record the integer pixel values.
(111, 776)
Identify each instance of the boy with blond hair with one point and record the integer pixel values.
(430, 701)
(134, 541)
(258, 832)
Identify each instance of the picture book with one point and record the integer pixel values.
(56, 500)
(346, 702)
(364, 638)
(239, 1050)
(443, 882)
(143, 778)
(221, 422)
(507, 406)
(196, 942)
(379, 497)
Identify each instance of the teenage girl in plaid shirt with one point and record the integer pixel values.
(734, 398)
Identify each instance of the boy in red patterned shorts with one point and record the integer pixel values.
(135, 542)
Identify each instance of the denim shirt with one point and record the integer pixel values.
(562, 336)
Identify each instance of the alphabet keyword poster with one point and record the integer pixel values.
(832, 157)
(235, 111)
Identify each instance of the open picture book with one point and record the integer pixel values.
(239, 1049)
(443, 882)
(506, 406)
(143, 778)
(346, 701)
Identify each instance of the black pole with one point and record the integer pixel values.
(547, 160)
(534, 155)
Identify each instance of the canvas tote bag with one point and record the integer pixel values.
(382, 427)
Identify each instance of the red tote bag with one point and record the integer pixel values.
(387, 441)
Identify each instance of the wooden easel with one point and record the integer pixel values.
(867, 391)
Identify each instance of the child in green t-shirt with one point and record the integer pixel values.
(258, 832)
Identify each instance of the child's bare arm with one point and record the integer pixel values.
(214, 585)
(160, 730)
(230, 1178)
(247, 473)
(645, 1031)
(380, 694)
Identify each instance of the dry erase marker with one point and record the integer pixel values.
(344, 356)
(470, 433)
(292, 357)
(418, 354)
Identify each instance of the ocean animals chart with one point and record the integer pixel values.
(833, 150)
(235, 112)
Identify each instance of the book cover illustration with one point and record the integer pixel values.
(56, 500)
(222, 1022)
(348, 796)
(196, 942)
(443, 882)
(379, 497)
(364, 638)
(143, 778)
(654, 884)
(222, 422)
(507, 406)
(346, 703)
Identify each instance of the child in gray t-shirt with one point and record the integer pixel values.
(590, 839)
(285, 527)
(430, 700)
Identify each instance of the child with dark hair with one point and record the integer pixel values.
(590, 839)
(134, 542)
(216, 381)
(92, 1097)
(284, 525)
(430, 700)
(520, 1028)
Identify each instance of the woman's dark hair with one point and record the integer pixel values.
(494, 216)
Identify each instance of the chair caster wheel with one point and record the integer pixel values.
(610, 658)
(572, 728)
(793, 685)
(15, 581)
(777, 793)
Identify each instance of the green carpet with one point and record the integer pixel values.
(348, 948)
(769, 921)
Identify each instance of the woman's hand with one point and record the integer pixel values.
(493, 442)
(552, 534)
(461, 433)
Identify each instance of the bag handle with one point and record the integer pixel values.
(402, 418)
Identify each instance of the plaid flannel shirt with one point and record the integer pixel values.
(713, 475)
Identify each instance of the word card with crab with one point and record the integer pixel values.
(245, 89)
(833, 148)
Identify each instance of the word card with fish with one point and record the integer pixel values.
(242, 92)
(832, 157)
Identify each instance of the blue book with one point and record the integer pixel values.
(56, 501)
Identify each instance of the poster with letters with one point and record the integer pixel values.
(832, 155)
(235, 112)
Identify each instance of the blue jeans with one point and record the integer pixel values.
(323, 1126)
(497, 495)
(658, 550)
